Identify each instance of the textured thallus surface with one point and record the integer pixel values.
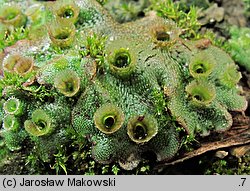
(150, 83)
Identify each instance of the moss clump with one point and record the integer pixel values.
(238, 46)
(229, 166)
(187, 21)
(125, 89)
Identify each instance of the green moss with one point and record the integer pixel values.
(94, 47)
(60, 160)
(10, 37)
(229, 166)
(188, 22)
(14, 80)
(46, 147)
(99, 92)
(238, 46)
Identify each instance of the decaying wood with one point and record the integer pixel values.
(237, 135)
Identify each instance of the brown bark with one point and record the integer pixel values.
(236, 136)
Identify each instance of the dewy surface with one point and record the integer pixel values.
(126, 88)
